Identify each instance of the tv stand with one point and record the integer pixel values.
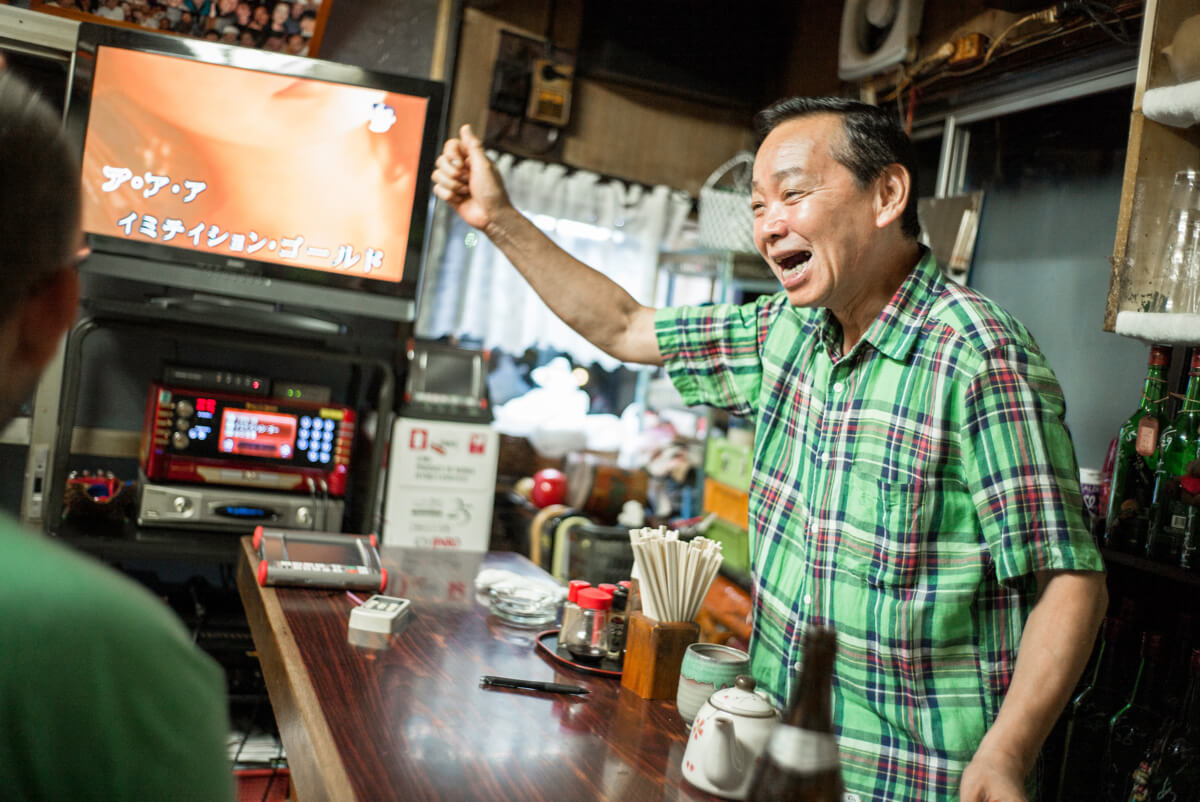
(245, 314)
(372, 377)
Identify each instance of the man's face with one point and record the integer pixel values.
(261, 15)
(812, 223)
(226, 7)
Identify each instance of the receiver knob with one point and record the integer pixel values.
(303, 516)
(179, 440)
(181, 504)
(184, 409)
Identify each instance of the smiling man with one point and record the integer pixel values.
(914, 485)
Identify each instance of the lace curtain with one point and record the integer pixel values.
(473, 291)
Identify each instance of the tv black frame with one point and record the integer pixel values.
(212, 274)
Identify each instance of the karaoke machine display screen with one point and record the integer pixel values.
(257, 434)
(246, 164)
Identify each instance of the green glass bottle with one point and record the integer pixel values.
(1174, 518)
(1127, 521)
(1089, 712)
(1133, 728)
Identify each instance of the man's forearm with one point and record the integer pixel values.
(589, 302)
(1054, 649)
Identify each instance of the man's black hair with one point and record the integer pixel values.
(39, 192)
(874, 140)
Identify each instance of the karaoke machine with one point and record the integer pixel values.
(207, 438)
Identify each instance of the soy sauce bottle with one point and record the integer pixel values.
(801, 763)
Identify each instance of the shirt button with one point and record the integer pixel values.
(824, 458)
(808, 599)
(838, 387)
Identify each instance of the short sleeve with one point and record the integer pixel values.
(713, 354)
(1021, 468)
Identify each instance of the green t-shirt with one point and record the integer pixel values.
(103, 696)
(905, 493)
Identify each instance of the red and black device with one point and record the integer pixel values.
(202, 437)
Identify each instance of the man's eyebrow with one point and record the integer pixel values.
(779, 175)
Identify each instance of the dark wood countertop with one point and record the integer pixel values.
(410, 720)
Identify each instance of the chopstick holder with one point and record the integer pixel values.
(654, 654)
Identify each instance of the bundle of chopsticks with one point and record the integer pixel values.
(674, 576)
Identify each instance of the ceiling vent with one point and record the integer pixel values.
(876, 35)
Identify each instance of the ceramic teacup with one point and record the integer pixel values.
(707, 667)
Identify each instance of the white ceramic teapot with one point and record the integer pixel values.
(728, 736)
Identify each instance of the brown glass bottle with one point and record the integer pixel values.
(800, 763)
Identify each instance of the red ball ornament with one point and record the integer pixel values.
(549, 487)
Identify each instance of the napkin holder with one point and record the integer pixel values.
(654, 653)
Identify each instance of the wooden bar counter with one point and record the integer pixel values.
(409, 720)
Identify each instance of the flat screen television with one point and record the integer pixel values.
(249, 174)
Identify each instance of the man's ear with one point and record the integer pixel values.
(891, 194)
(44, 317)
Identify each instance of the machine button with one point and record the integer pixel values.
(184, 408)
(179, 440)
(182, 424)
(181, 504)
(303, 516)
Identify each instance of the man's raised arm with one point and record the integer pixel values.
(586, 300)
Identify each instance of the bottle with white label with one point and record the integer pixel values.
(801, 763)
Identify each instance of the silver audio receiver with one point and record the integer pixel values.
(216, 507)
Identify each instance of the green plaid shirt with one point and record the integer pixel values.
(903, 493)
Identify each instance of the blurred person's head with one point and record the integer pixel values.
(242, 10)
(261, 16)
(280, 13)
(40, 239)
(226, 7)
(308, 23)
(296, 45)
(274, 43)
(246, 39)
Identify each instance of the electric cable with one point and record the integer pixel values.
(1053, 14)
(1046, 15)
(1123, 37)
(1023, 44)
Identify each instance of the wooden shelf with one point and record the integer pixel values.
(1148, 566)
(1154, 153)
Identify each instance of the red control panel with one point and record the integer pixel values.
(192, 435)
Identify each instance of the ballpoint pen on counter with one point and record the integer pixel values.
(531, 684)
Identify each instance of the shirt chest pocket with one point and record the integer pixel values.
(885, 540)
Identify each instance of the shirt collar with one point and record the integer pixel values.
(894, 332)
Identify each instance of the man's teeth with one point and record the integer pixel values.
(795, 264)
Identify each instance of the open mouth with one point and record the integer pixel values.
(793, 263)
